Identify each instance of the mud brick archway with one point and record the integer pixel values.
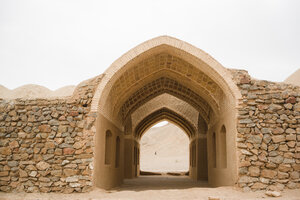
(165, 78)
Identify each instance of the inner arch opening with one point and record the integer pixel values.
(164, 149)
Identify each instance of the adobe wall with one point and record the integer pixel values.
(268, 134)
(47, 145)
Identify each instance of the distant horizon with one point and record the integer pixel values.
(29, 84)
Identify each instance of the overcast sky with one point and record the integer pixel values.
(57, 43)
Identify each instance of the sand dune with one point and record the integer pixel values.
(64, 91)
(30, 91)
(4, 90)
(35, 91)
(294, 78)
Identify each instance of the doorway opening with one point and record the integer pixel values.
(164, 149)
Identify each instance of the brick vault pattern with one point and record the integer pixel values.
(160, 86)
(162, 101)
(159, 63)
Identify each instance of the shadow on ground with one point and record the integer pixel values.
(164, 182)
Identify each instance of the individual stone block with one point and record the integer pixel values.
(278, 138)
(254, 171)
(42, 165)
(266, 173)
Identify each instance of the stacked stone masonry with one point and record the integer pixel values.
(47, 145)
(268, 134)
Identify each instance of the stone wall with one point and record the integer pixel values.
(268, 134)
(47, 145)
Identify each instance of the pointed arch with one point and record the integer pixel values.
(162, 44)
(162, 101)
(164, 114)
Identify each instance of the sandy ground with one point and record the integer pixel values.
(154, 188)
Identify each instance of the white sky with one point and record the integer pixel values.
(56, 43)
(160, 124)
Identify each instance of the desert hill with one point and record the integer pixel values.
(35, 91)
(4, 90)
(294, 78)
(64, 91)
(29, 91)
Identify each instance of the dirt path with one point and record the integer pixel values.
(156, 188)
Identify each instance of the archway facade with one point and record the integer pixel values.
(165, 78)
(242, 131)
